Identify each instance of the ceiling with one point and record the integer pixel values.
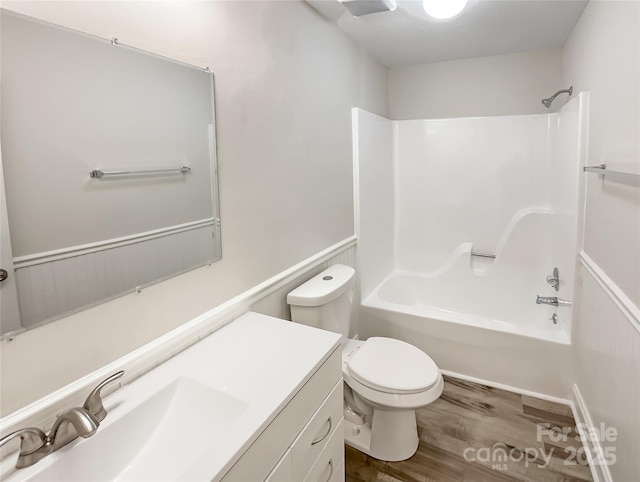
(409, 36)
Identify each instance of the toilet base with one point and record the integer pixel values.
(392, 435)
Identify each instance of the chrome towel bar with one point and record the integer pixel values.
(97, 173)
(616, 176)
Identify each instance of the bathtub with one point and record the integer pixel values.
(471, 337)
(479, 306)
(478, 318)
(432, 193)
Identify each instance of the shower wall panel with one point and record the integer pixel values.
(570, 128)
(465, 180)
(373, 175)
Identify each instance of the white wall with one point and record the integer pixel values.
(602, 56)
(604, 61)
(374, 85)
(497, 85)
(286, 80)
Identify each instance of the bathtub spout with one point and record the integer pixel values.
(551, 300)
(546, 300)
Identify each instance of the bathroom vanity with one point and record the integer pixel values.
(259, 399)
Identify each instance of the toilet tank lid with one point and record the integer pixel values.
(323, 288)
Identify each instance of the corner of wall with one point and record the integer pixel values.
(374, 85)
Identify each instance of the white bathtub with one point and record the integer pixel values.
(477, 304)
(478, 317)
(484, 308)
(470, 336)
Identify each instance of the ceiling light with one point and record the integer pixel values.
(443, 9)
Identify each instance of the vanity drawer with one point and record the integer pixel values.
(316, 434)
(340, 473)
(330, 464)
(282, 472)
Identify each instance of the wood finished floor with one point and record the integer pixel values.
(478, 421)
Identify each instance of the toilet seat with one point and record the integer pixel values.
(393, 366)
(381, 389)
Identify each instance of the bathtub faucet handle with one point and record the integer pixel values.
(554, 279)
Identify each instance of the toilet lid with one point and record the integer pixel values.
(393, 366)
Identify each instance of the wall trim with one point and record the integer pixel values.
(593, 448)
(622, 301)
(71, 251)
(42, 412)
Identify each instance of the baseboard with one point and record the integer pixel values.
(509, 388)
(42, 412)
(592, 445)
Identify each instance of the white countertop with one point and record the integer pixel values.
(259, 360)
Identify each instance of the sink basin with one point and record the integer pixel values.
(163, 438)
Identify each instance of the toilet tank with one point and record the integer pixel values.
(325, 300)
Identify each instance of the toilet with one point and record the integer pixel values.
(386, 380)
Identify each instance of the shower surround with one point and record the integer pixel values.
(433, 195)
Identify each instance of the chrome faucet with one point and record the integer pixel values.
(551, 300)
(69, 425)
(547, 300)
(83, 423)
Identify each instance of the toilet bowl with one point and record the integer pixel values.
(385, 379)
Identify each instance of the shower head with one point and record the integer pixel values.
(547, 102)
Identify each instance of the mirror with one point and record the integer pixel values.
(109, 162)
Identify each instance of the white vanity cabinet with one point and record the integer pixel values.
(305, 441)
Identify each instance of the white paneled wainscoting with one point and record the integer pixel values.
(606, 393)
(57, 283)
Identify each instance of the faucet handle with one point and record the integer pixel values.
(93, 403)
(31, 440)
(554, 279)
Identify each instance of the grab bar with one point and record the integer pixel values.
(483, 255)
(622, 177)
(97, 173)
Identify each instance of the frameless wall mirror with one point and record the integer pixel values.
(109, 163)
